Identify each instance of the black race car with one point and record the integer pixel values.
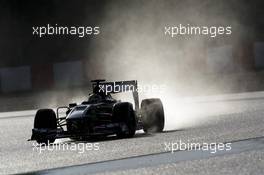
(100, 115)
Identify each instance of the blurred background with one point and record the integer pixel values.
(56, 70)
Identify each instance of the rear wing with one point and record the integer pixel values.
(121, 86)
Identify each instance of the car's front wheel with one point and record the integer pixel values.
(45, 119)
(123, 113)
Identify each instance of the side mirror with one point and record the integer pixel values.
(71, 105)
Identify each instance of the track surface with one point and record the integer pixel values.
(243, 118)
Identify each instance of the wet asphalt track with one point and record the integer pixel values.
(244, 120)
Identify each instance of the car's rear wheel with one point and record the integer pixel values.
(45, 119)
(124, 114)
(152, 115)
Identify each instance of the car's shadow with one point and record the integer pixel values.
(105, 138)
(113, 137)
(108, 138)
(175, 130)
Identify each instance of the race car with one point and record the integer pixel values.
(100, 115)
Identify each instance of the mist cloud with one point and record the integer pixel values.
(132, 45)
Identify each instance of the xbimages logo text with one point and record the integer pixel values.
(57, 30)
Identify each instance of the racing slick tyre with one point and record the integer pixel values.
(45, 119)
(152, 115)
(124, 113)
